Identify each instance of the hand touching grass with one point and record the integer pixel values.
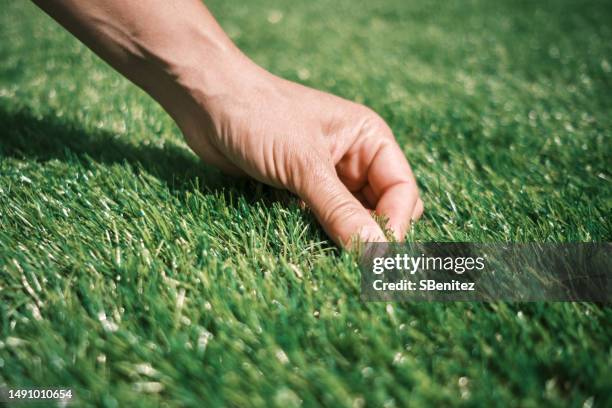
(338, 156)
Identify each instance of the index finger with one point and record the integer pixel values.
(392, 181)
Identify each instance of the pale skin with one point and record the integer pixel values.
(338, 156)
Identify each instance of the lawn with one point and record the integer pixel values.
(135, 275)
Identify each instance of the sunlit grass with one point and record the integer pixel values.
(134, 274)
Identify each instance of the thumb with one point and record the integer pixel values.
(342, 216)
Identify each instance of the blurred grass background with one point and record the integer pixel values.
(137, 276)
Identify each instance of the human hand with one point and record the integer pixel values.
(339, 157)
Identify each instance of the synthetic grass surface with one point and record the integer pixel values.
(135, 275)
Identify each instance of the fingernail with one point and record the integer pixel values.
(397, 234)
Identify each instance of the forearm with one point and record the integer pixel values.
(166, 47)
(337, 155)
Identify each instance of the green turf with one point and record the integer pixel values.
(135, 275)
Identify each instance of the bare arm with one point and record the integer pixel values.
(338, 156)
(157, 44)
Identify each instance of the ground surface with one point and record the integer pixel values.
(133, 274)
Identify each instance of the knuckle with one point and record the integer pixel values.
(307, 168)
(306, 163)
(339, 210)
(373, 124)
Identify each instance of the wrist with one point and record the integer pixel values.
(206, 78)
(192, 58)
(230, 86)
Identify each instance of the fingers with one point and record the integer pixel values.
(342, 216)
(391, 181)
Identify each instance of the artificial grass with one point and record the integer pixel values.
(137, 276)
